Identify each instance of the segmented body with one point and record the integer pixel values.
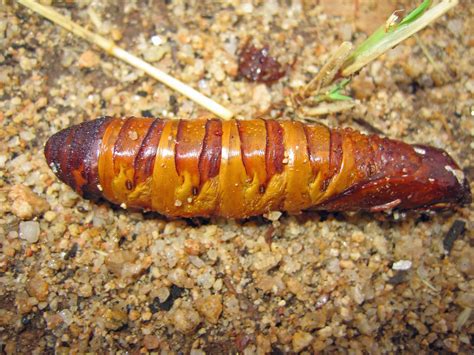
(211, 167)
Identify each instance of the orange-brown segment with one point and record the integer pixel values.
(253, 141)
(297, 168)
(106, 160)
(126, 149)
(189, 147)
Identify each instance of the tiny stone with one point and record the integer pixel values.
(466, 299)
(219, 74)
(116, 34)
(196, 261)
(86, 290)
(151, 342)
(192, 247)
(266, 261)
(25, 204)
(108, 93)
(156, 40)
(313, 320)
(333, 265)
(115, 319)
(29, 231)
(402, 265)
(53, 321)
(163, 293)
(88, 59)
(185, 319)
(133, 315)
(178, 277)
(218, 285)
(37, 287)
(346, 264)
(261, 97)
(465, 261)
(6, 317)
(210, 307)
(273, 216)
(50, 216)
(325, 332)
(358, 237)
(301, 340)
(146, 316)
(154, 53)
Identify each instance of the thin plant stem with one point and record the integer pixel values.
(328, 71)
(385, 38)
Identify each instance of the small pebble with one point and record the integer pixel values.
(29, 231)
(146, 316)
(25, 204)
(37, 287)
(179, 277)
(116, 34)
(465, 261)
(313, 320)
(261, 97)
(402, 265)
(50, 216)
(53, 321)
(6, 317)
(86, 290)
(156, 40)
(151, 342)
(301, 340)
(163, 293)
(210, 307)
(185, 319)
(192, 247)
(88, 59)
(115, 319)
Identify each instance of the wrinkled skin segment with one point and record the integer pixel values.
(210, 167)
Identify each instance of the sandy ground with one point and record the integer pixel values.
(82, 277)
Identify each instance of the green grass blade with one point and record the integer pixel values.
(416, 13)
(384, 39)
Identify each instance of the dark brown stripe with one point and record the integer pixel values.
(335, 156)
(275, 149)
(244, 153)
(311, 156)
(119, 148)
(210, 158)
(145, 159)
